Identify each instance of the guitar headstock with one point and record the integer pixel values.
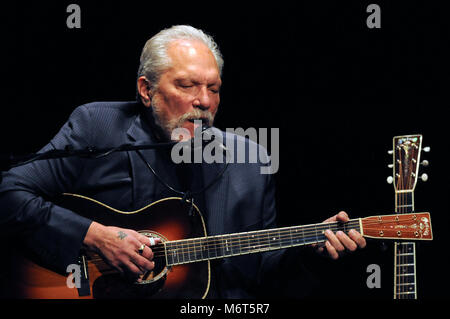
(406, 161)
(413, 226)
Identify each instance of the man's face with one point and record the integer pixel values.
(189, 89)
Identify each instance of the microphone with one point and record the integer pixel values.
(207, 131)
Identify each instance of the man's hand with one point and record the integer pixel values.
(120, 248)
(340, 242)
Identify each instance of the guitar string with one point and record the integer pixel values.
(313, 230)
(400, 210)
(234, 243)
(187, 245)
(402, 250)
(399, 247)
(100, 261)
(406, 248)
(284, 234)
(310, 230)
(263, 235)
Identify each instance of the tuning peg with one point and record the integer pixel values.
(425, 163)
(390, 152)
(424, 177)
(426, 149)
(390, 165)
(390, 179)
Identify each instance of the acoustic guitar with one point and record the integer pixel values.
(406, 153)
(182, 258)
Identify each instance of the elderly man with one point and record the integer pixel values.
(179, 82)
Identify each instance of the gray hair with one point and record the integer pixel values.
(154, 58)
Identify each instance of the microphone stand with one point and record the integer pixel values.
(9, 161)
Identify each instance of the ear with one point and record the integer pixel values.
(143, 86)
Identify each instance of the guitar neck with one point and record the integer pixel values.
(405, 285)
(222, 246)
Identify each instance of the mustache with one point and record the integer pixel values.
(205, 116)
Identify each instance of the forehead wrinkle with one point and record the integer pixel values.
(191, 51)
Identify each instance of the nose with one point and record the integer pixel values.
(203, 100)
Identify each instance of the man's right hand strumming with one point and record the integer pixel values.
(124, 249)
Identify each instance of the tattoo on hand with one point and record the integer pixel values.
(121, 235)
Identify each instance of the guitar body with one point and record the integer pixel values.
(168, 219)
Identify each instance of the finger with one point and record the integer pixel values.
(331, 250)
(318, 247)
(331, 219)
(342, 217)
(334, 241)
(143, 239)
(131, 268)
(147, 253)
(346, 241)
(154, 240)
(357, 238)
(143, 263)
(149, 241)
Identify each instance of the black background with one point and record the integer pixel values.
(337, 90)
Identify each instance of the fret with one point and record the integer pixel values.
(405, 254)
(187, 250)
(174, 253)
(236, 244)
(226, 246)
(256, 243)
(303, 235)
(405, 275)
(274, 237)
(406, 293)
(198, 249)
(169, 258)
(315, 231)
(192, 255)
(290, 236)
(311, 235)
(286, 238)
(267, 240)
(251, 244)
(212, 242)
(240, 243)
(246, 244)
(204, 243)
(297, 236)
(180, 252)
(406, 284)
(404, 243)
(405, 259)
(404, 202)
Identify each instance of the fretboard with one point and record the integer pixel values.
(405, 286)
(222, 246)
